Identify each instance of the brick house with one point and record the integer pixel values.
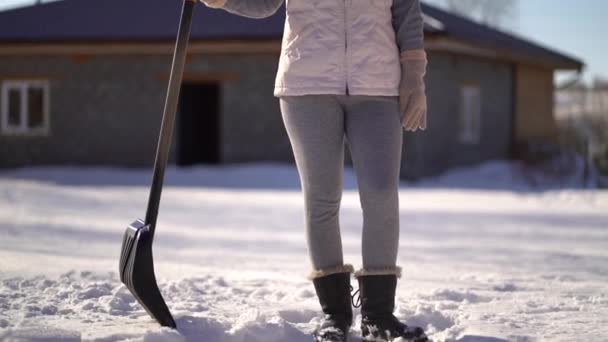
(82, 82)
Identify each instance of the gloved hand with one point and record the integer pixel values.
(214, 3)
(412, 97)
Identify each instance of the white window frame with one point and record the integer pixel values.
(22, 128)
(470, 114)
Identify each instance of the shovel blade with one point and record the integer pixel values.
(137, 272)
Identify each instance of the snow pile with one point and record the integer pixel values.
(481, 262)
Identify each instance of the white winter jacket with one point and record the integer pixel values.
(339, 46)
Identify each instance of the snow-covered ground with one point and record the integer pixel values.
(485, 257)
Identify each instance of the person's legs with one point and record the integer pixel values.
(315, 126)
(374, 134)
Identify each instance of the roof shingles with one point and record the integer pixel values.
(157, 20)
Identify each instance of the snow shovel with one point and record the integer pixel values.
(136, 260)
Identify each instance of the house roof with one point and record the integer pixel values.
(466, 30)
(91, 21)
(131, 20)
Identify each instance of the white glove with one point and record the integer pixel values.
(214, 3)
(412, 97)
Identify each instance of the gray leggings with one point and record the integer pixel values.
(317, 126)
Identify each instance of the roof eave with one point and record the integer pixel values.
(445, 43)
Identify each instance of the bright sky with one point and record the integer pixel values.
(578, 28)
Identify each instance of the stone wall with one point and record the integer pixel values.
(438, 148)
(106, 110)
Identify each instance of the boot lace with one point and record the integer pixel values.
(352, 297)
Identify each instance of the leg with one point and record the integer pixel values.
(375, 136)
(315, 126)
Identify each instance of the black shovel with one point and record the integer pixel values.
(136, 261)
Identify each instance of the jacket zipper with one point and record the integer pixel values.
(346, 46)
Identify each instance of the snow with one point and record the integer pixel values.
(486, 256)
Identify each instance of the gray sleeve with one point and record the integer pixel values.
(253, 8)
(408, 24)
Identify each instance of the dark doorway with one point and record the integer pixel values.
(199, 124)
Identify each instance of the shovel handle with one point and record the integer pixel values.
(168, 122)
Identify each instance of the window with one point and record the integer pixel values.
(25, 107)
(470, 114)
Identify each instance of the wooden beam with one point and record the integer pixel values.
(219, 47)
(451, 45)
(203, 77)
(24, 77)
(272, 46)
(81, 58)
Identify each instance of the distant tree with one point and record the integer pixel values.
(600, 82)
(495, 13)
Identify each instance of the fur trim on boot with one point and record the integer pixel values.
(378, 271)
(330, 270)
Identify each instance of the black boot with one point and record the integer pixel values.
(378, 323)
(333, 291)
